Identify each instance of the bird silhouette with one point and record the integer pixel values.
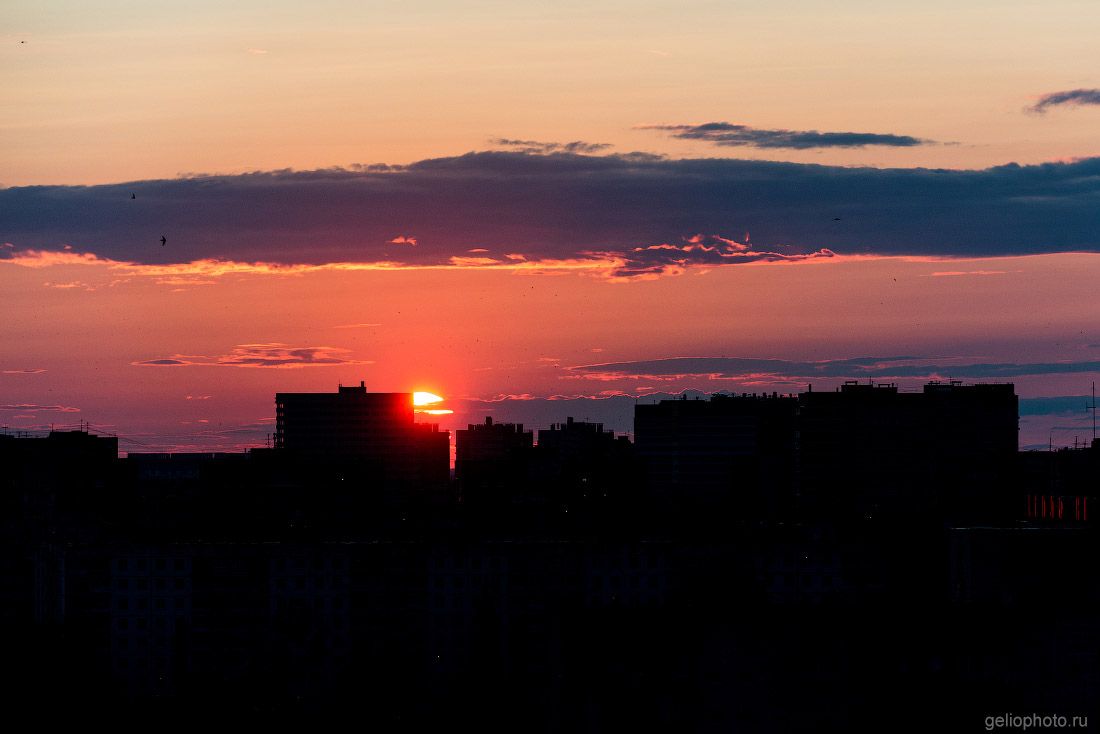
(133, 195)
(836, 219)
(163, 240)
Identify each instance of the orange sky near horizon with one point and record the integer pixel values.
(469, 333)
(96, 92)
(188, 355)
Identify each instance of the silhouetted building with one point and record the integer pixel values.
(206, 494)
(580, 467)
(491, 459)
(1059, 486)
(740, 452)
(870, 451)
(1026, 604)
(372, 434)
(59, 448)
(574, 439)
(60, 480)
(54, 490)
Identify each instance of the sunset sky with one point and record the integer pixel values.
(539, 210)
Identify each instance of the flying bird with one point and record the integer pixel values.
(133, 195)
(836, 219)
(163, 240)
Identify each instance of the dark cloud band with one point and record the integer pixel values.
(1072, 97)
(731, 135)
(859, 368)
(641, 210)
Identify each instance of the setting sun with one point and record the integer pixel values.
(426, 398)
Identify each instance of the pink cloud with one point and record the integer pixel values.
(32, 406)
(951, 273)
(70, 285)
(467, 262)
(273, 354)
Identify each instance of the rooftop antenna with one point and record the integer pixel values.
(1092, 407)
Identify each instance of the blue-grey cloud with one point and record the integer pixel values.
(642, 209)
(859, 368)
(1059, 405)
(1071, 97)
(730, 135)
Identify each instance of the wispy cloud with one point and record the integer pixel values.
(537, 147)
(403, 240)
(957, 273)
(260, 355)
(654, 260)
(732, 135)
(22, 372)
(1069, 98)
(71, 285)
(28, 407)
(181, 272)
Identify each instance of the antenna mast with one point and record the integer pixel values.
(1092, 407)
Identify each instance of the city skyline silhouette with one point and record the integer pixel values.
(222, 583)
(550, 367)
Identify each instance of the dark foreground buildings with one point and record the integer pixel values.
(858, 559)
(945, 452)
(739, 453)
(859, 452)
(491, 462)
(372, 434)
